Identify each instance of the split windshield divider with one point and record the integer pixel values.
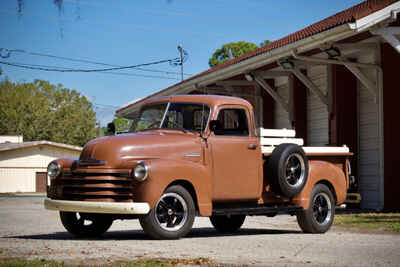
(165, 115)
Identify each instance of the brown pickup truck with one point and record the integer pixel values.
(189, 155)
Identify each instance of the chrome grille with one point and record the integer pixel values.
(109, 187)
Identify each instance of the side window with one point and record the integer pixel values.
(232, 121)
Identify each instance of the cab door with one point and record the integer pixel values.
(235, 157)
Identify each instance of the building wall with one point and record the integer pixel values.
(369, 153)
(281, 115)
(11, 138)
(317, 112)
(18, 167)
(391, 96)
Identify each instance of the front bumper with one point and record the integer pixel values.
(97, 207)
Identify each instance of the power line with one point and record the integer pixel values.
(154, 11)
(25, 65)
(142, 28)
(9, 51)
(85, 70)
(87, 3)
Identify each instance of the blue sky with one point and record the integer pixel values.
(130, 32)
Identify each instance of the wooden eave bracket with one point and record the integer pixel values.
(272, 73)
(369, 84)
(235, 83)
(388, 33)
(354, 67)
(310, 85)
(271, 92)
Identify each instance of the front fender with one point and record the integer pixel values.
(323, 171)
(163, 172)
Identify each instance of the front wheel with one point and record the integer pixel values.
(173, 215)
(85, 224)
(319, 216)
(227, 223)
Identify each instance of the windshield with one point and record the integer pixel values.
(181, 116)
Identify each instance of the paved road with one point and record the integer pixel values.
(29, 231)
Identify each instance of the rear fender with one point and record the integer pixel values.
(325, 172)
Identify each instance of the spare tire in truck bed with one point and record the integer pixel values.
(287, 169)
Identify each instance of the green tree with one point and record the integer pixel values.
(265, 42)
(121, 125)
(42, 111)
(237, 49)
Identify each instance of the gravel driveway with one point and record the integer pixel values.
(27, 230)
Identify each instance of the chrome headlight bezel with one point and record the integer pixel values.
(140, 172)
(53, 170)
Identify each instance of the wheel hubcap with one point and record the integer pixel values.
(171, 212)
(295, 170)
(322, 208)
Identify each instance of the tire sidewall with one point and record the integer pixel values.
(306, 219)
(227, 224)
(277, 169)
(100, 224)
(321, 188)
(150, 223)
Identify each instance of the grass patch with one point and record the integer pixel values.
(139, 263)
(30, 263)
(383, 221)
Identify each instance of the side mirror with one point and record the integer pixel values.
(214, 125)
(111, 128)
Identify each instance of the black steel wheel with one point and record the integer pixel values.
(85, 224)
(227, 223)
(318, 218)
(288, 169)
(173, 215)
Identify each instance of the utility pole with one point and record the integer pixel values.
(180, 49)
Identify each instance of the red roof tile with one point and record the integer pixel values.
(349, 15)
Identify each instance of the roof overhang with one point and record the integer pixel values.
(387, 14)
(13, 146)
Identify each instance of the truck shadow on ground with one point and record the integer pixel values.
(203, 232)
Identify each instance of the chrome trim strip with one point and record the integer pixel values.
(192, 155)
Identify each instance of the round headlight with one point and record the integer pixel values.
(54, 169)
(140, 172)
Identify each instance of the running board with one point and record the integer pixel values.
(257, 210)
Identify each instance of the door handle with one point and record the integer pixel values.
(252, 146)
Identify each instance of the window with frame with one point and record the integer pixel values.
(233, 122)
(187, 116)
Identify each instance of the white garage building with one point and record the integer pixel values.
(23, 165)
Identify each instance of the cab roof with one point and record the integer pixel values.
(211, 100)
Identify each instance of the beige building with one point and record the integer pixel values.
(23, 165)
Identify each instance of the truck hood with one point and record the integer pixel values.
(122, 151)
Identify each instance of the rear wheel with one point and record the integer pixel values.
(319, 216)
(227, 223)
(85, 224)
(173, 215)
